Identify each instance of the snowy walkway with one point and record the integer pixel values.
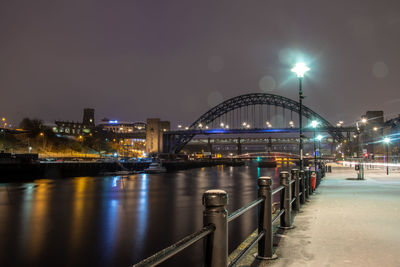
(346, 223)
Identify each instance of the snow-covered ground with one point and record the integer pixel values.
(347, 222)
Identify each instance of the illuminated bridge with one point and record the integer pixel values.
(258, 113)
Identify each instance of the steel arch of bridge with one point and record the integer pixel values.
(255, 99)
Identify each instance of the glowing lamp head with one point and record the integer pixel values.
(300, 69)
(319, 137)
(386, 140)
(314, 124)
(364, 120)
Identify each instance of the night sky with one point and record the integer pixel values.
(131, 60)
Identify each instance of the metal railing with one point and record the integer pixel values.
(294, 189)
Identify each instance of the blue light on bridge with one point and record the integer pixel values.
(113, 122)
(222, 131)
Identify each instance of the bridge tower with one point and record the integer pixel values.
(154, 135)
(239, 146)
(88, 117)
(209, 145)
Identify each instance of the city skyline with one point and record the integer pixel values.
(176, 60)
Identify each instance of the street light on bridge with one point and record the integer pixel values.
(300, 69)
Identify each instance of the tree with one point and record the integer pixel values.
(33, 126)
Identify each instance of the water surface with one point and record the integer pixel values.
(117, 220)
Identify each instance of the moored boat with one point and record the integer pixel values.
(155, 167)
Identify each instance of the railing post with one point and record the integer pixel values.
(295, 176)
(309, 188)
(306, 182)
(303, 187)
(265, 244)
(216, 244)
(286, 197)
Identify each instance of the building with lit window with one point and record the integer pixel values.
(116, 126)
(76, 128)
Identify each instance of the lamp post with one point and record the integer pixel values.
(386, 140)
(319, 138)
(43, 143)
(314, 124)
(300, 69)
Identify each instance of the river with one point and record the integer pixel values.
(118, 220)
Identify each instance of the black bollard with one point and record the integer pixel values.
(265, 245)
(286, 218)
(303, 187)
(216, 244)
(310, 191)
(295, 177)
(306, 183)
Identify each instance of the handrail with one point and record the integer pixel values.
(242, 210)
(170, 251)
(216, 219)
(278, 216)
(246, 249)
(276, 190)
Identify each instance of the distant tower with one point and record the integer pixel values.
(88, 117)
(154, 134)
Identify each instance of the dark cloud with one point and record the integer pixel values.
(137, 59)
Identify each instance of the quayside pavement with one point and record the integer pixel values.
(348, 222)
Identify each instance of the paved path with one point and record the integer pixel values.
(346, 223)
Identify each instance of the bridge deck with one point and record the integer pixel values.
(347, 223)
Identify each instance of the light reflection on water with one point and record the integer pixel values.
(117, 220)
(141, 214)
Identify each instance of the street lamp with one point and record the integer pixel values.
(43, 143)
(300, 69)
(386, 140)
(314, 124)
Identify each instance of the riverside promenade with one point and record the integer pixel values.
(348, 222)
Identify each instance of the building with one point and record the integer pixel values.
(116, 126)
(392, 130)
(371, 131)
(76, 128)
(154, 135)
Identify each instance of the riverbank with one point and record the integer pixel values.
(55, 170)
